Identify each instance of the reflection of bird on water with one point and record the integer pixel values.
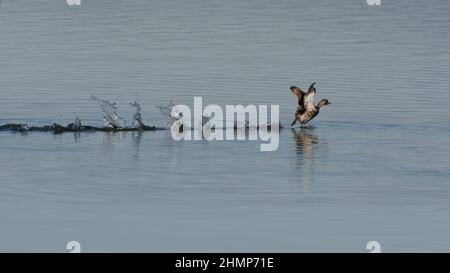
(306, 142)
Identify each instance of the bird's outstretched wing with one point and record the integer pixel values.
(309, 98)
(300, 95)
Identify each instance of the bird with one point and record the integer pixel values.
(306, 110)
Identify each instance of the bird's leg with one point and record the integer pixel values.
(304, 125)
(293, 123)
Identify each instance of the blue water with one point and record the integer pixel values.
(373, 167)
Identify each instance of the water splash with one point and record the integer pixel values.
(110, 117)
(137, 118)
(76, 125)
(166, 112)
(113, 123)
(20, 127)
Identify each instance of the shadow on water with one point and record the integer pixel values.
(77, 136)
(136, 139)
(306, 144)
(110, 139)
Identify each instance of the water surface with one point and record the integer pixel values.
(373, 167)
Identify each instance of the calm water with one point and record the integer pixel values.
(374, 167)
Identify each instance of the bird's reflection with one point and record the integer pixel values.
(306, 144)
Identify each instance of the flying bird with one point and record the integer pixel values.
(306, 110)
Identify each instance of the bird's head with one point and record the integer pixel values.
(323, 102)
